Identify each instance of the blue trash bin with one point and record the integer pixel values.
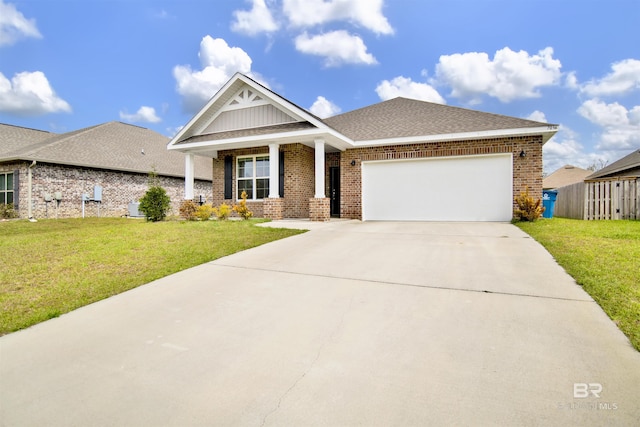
(548, 202)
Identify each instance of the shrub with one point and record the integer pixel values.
(188, 210)
(242, 208)
(222, 212)
(7, 211)
(528, 208)
(204, 212)
(155, 203)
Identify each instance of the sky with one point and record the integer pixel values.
(69, 64)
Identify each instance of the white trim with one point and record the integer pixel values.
(254, 178)
(274, 171)
(544, 131)
(189, 173)
(319, 169)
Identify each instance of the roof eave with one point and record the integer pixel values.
(331, 137)
(546, 131)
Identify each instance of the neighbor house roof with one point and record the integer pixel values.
(626, 166)
(403, 117)
(112, 146)
(566, 175)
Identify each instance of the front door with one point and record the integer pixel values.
(334, 189)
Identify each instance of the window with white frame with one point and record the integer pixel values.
(253, 177)
(6, 188)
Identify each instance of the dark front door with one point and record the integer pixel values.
(334, 189)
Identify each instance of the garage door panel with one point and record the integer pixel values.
(473, 188)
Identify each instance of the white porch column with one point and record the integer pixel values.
(319, 169)
(274, 171)
(189, 173)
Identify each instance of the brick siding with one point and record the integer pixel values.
(299, 169)
(118, 190)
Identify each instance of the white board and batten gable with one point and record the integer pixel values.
(243, 113)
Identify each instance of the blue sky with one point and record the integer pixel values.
(70, 64)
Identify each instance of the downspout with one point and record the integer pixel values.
(30, 191)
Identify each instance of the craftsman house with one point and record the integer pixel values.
(400, 159)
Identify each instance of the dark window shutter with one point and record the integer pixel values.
(228, 177)
(16, 189)
(281, 174)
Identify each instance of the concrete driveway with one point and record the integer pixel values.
(349, 324)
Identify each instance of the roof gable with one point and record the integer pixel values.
(241, 106)
(629, 164)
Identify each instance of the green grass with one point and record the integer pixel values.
(54, 266)
(604, 258)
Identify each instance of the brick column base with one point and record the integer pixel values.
(319, 209)
(273, 208)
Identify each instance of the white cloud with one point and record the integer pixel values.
(405, 87)
(624, 78)
(219, 62)
(365, 13)
(621, 127)
(323, 108)
(144, 114)
(510, 75)
(257, 20)
(337, 47)
(538, 116)
(13, 25)
(565, 149)
(30, 94)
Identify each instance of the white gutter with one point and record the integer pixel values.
(30, 191)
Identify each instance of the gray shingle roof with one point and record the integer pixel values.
(13, 138)
(630, 162)
(264, 130)
(402, 117)
(112, 146)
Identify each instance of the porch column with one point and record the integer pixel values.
(319, 169)
(189, 172)
(274, 168)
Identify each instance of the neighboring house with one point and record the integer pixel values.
(110, 162)
(613, 192)
(564, 176)
(629, 165)
(400, 159)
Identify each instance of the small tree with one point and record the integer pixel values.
(242, 208)
(528, 208)
(155, 203)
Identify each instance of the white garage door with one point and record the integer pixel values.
(469, 188)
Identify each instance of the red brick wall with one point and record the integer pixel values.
(527, 171)
(299, 179)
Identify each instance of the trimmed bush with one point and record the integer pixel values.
(222, 212)
(188, 209)
(242, 208)
(204, 212)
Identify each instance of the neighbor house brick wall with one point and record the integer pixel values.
(527, 171)
(299, 179)
(118, 190)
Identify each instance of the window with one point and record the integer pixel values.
(253, 177)
(6, 188)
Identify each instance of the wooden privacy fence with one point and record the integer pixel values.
(612, 198)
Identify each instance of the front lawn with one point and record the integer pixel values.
(604, 258)
(54, 266)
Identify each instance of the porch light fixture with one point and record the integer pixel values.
(523, 154)
(353, 162)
